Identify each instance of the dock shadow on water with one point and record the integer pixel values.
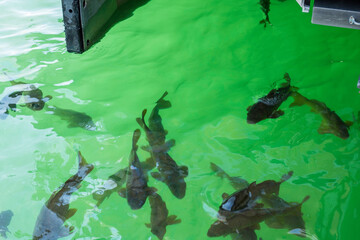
(125, 10)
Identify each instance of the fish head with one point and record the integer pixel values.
(342, 132)
(36, 106)
(236, 201)
(178, 188)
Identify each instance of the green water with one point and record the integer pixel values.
(215, 60)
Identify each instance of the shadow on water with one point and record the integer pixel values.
(125, 10)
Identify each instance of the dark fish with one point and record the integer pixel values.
(267, 106)
(265, 7)
(291, 220)
(74, 118)
(169, 172)
(5, 218)
(331, 122)
(237, 182)
(246, 198)
(236, 221)
(49, 224)
(113, 184)
(137, 189)
(159, 216)
(33, 96)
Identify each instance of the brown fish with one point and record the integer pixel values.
(137, 189)
(246, 198)
(331, 122)
(159, 216)
(169, 172)
(236, 221)
(291, 219)
(267, 106)
(49, 224)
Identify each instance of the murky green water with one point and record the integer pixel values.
(215, 60)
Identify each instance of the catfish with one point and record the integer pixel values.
(113, 184)
(49, 224)
(291, 220)
(73, 118)
(236, 182)
(5, 219)
(137, 190)
(169, 172)
(33, 96)
(248, 197)
(159, 216)
(235, 221)
(331, 122)
(267, 106)
(246, 234)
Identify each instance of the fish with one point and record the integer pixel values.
(113, 184)
(331, 122)
(358, 84)
(50, 222)
(168, 171)
(5, 219)
(267, 106)
(291, 220)
(237, 182)
(137, 190)
(33, 96)
(159, 219)
(235, 221)
(74, 118)
(247, 198)
(265, 7)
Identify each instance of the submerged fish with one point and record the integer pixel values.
(74, 118)
(33, 96)
(246, 234)
(248, 218)
(159, 216)
(247, 197)
(113, 184)
(237, 182)
(331, 122)
(49, 224)
(169, 172)
(265, 7)
(137, 189)
(267, 106)
(291, 220)
(5, 218)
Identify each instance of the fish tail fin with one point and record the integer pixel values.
(219, 171)
(172, 220)
(161, 103)
(82, 162)
(136, 137)
(141, 121)
(286, 176)
(299, 100)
